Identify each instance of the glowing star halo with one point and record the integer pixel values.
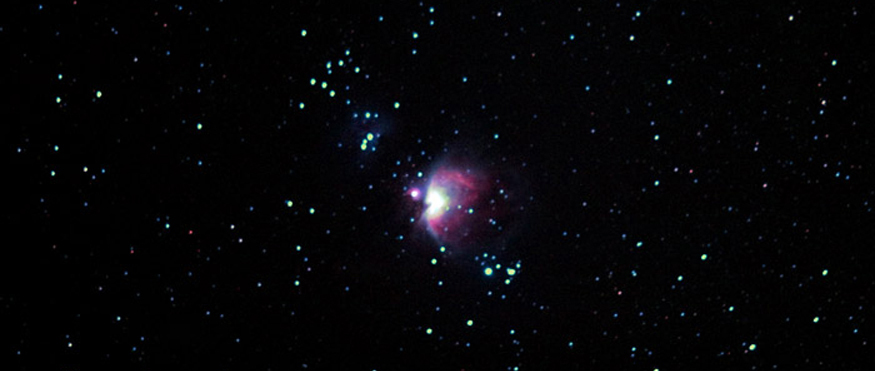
(415, 193)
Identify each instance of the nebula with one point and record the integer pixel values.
(451, 201)
(465, 204)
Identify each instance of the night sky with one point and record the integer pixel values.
(526, 185)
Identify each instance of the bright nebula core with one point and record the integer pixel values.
(450, 201)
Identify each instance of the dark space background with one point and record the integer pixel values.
(671, 186)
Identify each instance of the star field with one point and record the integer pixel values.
(486, 186)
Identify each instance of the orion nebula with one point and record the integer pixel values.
(451, 201)
(460, 204)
